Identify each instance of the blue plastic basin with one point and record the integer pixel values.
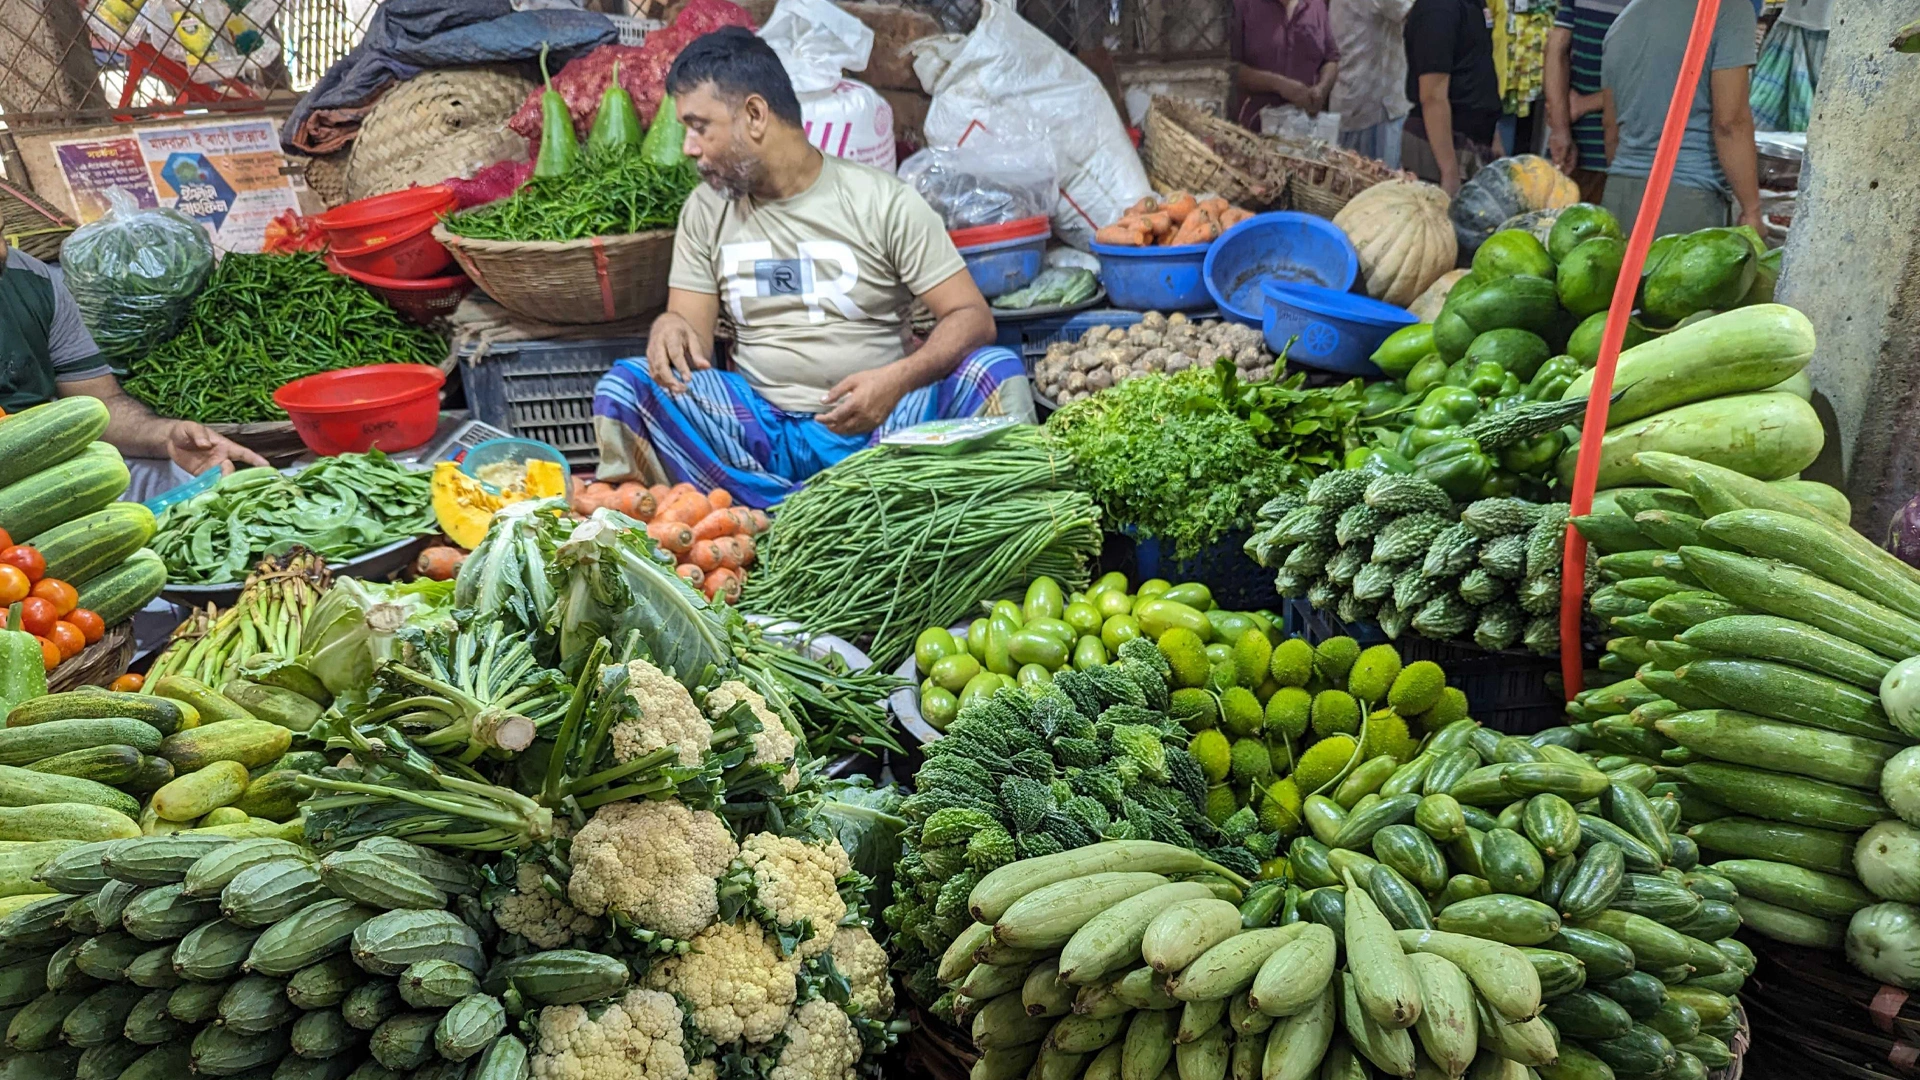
(999, 263)
(1281, 246)
(1154, 278)
(1330, 329)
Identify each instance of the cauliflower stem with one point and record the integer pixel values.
(487, 693)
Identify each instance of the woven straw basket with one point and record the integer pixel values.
(1185, 149)
(98, 664)
(30, 223)
(596, 280)
(1322, 178)
(438, 124)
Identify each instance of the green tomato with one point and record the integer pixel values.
(1427, 373)
(1076, 597)
(1118, 629)
(1043, 600)
(1007, 609)
(999, 659)
(1229, 625)
(979, 688)
(1058, 628)
(933, 643)
(1111, 581)
(1033, 677)
(1084, 618)
(1158, 616)
(1220, 653)
(952, 673)
(1031, 646)
(977, 639)
(1112, 602)
(1089, 652)
(938, 707)
(1191, 593)
(1153, 587)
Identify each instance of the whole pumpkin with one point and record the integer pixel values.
(1505, 188)
(1405, 241)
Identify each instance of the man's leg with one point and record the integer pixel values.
(989, 382)
(1416, 156)
(1593, 184)
(717, 434)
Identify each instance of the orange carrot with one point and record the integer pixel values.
(683, 487)
(721, 498)
(1201, 228)
(718, 523)
(731, 552)
(742, 520)
(675, 536)
(439, 563)
(1122, 234)
(761, 522)
(723, 584)
(1215, 206)
(747, 548)
(694, 575)
(1233, 216)
(1145, 206)
(659, 493)
(1178, 205)
(704, 554)
(593, 497)
(689, 507)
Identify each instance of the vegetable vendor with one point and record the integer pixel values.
(46, 352)
(816, 261)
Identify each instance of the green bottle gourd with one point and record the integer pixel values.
(616, 127)
(23, 672)
(666, 136)
(559, 147)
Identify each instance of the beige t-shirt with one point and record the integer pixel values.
(817, 286)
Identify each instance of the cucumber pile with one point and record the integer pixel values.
(1758, 637)
(1393, 548)
(230, 956)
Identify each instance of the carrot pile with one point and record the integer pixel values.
(1171, 222)
(710, 539)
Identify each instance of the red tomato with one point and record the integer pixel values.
(61, 595)
(27, 559)
(37, 616)
(130, 683)
(5, 540)
(49, 654)
(68, 637)
(91, 625)
(14, 586)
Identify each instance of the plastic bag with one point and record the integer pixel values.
(1293, 122)
(817, 43)
(134, 274)
(994, 178)
(1006, 71)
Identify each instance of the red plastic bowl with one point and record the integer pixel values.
(365, 222)
(387, 407)
(422, 300)
(409, 253)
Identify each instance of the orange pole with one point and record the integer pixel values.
(1586, 472)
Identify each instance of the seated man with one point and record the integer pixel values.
(817, 261)
(46, 352)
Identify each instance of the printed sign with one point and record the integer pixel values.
(223, 174)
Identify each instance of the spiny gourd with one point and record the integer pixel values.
(1335, 713)
(1240, 711)
(1292, 663)
(1333, 658)
(1188, 656)
(1280, 806)
(1373, 673)
(1288, 712)
(1417, 687)
(1213, 751)
(1322, 762)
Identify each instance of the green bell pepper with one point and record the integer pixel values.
(1414, 440)
(1498, 484)
(1447, 406)
(1381, 398)
(1456, 464)
(1403, 349)
(1553, 378)
(1486, 378)
(1426, 374)
(1533, 455)
(1377, 460)
(1458, 372)
(1511, 386)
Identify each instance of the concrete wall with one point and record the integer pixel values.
(1853, 259)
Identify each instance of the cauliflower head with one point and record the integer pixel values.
(797, 881)
(864, 963)
(774, 744)
(821, 1044)
(735, 982)
(545, 920)
(655, 863)
(703, 1070)
(667, 717)
(637, 1037)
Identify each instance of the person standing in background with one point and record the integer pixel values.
(1718, 165)
(1284, 54)
(1369, 91)
(1455, 94)
(1576, 136)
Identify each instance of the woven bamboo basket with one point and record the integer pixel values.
(98, 664)
(596, 280)
(1185, 149)
(931, 1050)
(439, 122)
(30, 224)
(1323, 178)
(1814, 1015)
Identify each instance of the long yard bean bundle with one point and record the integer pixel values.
(262, 321)
(608, 195)
(890, 541)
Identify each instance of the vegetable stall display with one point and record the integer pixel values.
(261, 322)
(1179, 220)
(712, 540)
(1107, 356)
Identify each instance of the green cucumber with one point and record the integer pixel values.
(1745, 739)
(1783, 692)
(1826, 850)
(1513, 920)
(1779, 797)
(1789, 641)
(1811, 892)
(1604, 958)
(1790, 592)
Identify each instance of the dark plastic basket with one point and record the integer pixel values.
(1513, 692)
(543, 390)
(1236, 581)
(1030, 337)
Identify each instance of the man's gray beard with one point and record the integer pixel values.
(736, 181)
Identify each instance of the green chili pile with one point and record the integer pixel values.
(262, 321)
(890, 541)
(605, 195)
(341, 507)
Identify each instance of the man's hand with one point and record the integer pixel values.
(1450, 180)
(674, 352)
(195, 449)
(1317, 99)
(1561, 150)
(862, 401)
(1750, 215)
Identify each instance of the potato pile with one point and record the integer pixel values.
(1107, 355)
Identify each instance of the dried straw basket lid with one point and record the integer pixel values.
(443, 123)
(1186, 149)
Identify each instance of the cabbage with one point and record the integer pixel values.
(1887, 859)
(1883, 941)
(355, 626)
(1900, 784)
(1900, 696)
(614, 583)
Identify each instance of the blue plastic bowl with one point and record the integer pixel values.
(1330, 329)
(999, 263)
(1281, 246)
(1155, 278)
(508, 450)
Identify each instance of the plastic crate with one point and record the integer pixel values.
(544, 390)
(1513, 692)
(1030, 337)
(1236, 581)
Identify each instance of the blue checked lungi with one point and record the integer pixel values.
(721, 433)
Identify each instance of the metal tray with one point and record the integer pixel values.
(377, 564)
